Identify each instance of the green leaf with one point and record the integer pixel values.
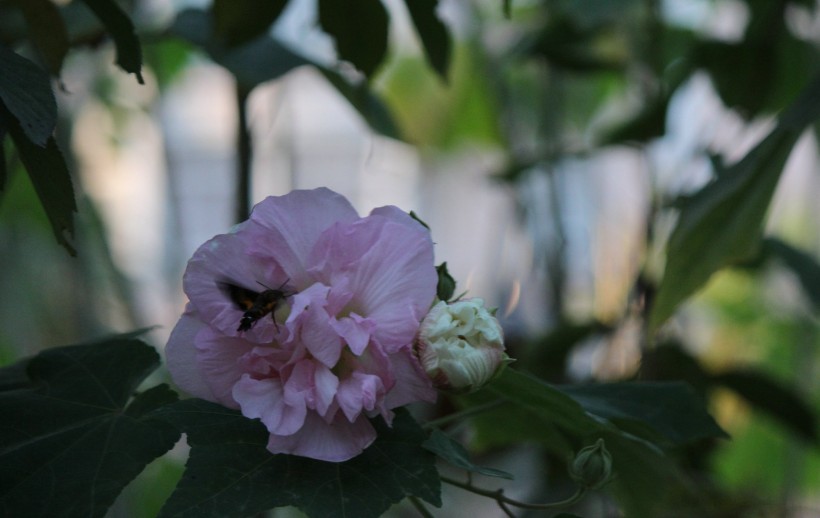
(722, 223)
(672, 409)
(121, 29)
(361, 97)
(51, 179)
(47, 31)
(435, 38)
(230, 473)
(775, 399)
(446, 284)
(360, 30)
(73, 439)
(801, 263)
(534, 411)
(239, 21)
(453, 452)
(25, 90)
(4, 174)
(265, 59)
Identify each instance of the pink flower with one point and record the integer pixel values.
(337, 347)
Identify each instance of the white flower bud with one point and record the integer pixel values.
(461, 345)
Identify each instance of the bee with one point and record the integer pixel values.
(256, 304)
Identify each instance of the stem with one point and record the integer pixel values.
(498, 496)
(244, 153)
(467, 412)
(420, 507)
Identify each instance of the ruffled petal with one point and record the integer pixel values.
(355, 331)
(387, 263)
(337, 441)
(412, 384)
(181, 356)
(224, 260)
(265, 400)
(310, 325)
(221, 360)
(359, 394)
(312, 383)
(294, 223)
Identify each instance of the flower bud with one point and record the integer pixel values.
(592, 466)
(461, 345)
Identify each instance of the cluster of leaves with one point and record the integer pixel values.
(79, 428)
(590, 55)
(233, 33)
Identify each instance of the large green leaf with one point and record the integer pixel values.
(240, 21)
(534, 411)
(777, 400)
(453, 452)
(51, 179)
(803, 264)
(360, 30)
(722, 223)
(672, 409)
(121, 29)
(435, 39)
(77, 434)
(47, 31)
(25, 90)
(230, 473)
(266, 59)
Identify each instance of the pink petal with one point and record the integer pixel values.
(312, 383)
(294, 223)
(388, 266)
(359, 393)
(337, 441)
(225, 260)
(311, 325)
(180, 356)
(412, 383)
(221, 361)
(265, 400)
(355, 331)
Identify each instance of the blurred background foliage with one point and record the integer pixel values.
(568, 105)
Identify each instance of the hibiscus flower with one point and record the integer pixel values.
(336, 348)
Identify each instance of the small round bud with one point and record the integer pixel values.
(461, 345)
(592, 466)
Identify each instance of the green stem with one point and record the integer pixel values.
(243, 151)
(467, 412)
(498, 496)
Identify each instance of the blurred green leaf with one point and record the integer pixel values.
(550, 352)
(47, 31)
(239, 21)
(78, 434)
(230, 473)
(435, 38)
(25, 91)
(672, 409)
(453, 452)
(776, 68)
(766, 394)
(51, 179)
(722, 223)
(265, 59)
(360, 30)
(4, 173)
(805, 266)
(121, 29)
(534, 411)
